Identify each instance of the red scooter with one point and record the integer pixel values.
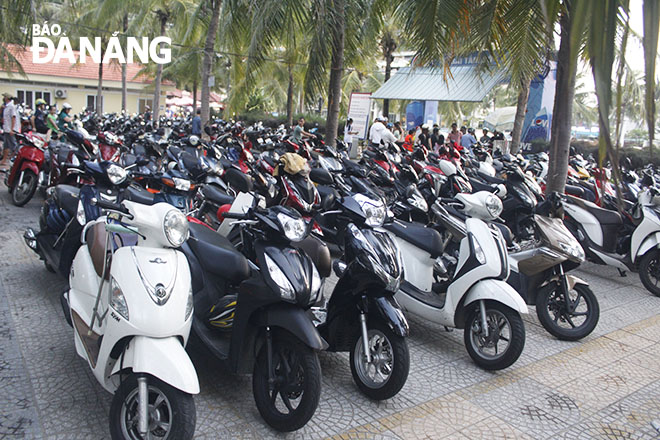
(27, 170)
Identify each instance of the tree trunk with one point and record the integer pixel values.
(123, 69)
(562, 114)
(516, 134)
(336, 71)
(388, 72)
(207, 63)
(159, 74)
(99, 89)
(289, 99)
(194, 106)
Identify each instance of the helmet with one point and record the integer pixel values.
(39, 102)
(194, 140)
(66, 105)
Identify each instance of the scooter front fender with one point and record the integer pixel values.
(29, 165)
(296, 321)
(650, 242)
(164, 358)
(391, 313)
(496, 290)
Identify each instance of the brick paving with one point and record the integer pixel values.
(604, 387)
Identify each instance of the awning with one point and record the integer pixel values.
(501, 119)
(428, 84)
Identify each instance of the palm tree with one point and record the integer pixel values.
(15, 16)
(390, 40)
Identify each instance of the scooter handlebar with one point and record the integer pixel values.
(110, 206)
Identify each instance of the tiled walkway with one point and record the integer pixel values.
(607, 386)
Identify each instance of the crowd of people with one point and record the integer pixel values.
(45, 119)
(423, 135)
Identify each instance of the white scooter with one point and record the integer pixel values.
(471, 293)
(131, 311)
(631, 244)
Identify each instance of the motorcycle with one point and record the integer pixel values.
(26, 171)
(130, 305)
(250, 311)
(607, 239)
(469, 292)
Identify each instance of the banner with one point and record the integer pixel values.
(538, 116)
(414, 114)
(358, 110)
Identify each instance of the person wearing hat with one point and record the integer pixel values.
(11, 124)
(65, 120)
(376, 131)
(38, 118)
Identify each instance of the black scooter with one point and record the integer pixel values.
(250, 310)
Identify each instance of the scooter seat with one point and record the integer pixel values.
(67, 198)
(137, 194)
(604, 216)
(424, 238)
(216, 254)
(575, 191)
(216, 196)
(491, 179)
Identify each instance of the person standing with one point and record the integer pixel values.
(197, 123)
(349, 132)
(38, 118)
(424, 139)
(485, 139)
(437, 139)
(467, 140)
(375, 133)
(454, 135)
(409, 141)
(11, 124)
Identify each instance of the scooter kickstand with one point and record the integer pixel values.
(448, 330)
(622, 273)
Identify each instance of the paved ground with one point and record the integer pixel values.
(607, 386)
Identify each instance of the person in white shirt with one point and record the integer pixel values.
(387, 136)
(349, 132)
(375, 134)
(11, 124)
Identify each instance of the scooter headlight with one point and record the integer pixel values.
(573, 249)
(418, 202)
(316, 286)
(116, 174)
(189, 305)
(175, 227)
(80, 214)
(276, 274)
(294, 228)
(117, 299)
(181, 184)
(374, 210)
(494, 205)
(478, 251)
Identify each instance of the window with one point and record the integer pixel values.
(91, 103)
(29, 97)
(143, 103)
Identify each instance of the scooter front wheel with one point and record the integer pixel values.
(649, 271)
(171, 411)
(290, 400)
(568, 322)
(505, 340)
(385, 375)
(21, 194)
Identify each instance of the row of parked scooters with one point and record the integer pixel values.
(163, 237)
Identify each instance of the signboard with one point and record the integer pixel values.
(538, 117)
(430, 112)
(414, 114)
(358, 110)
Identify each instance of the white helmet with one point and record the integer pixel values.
(66, 105)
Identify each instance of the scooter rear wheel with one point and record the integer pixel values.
(291, 401)
(21, 194)
(504, 324)
(172, 412)
(649, 271)
(556, 318)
